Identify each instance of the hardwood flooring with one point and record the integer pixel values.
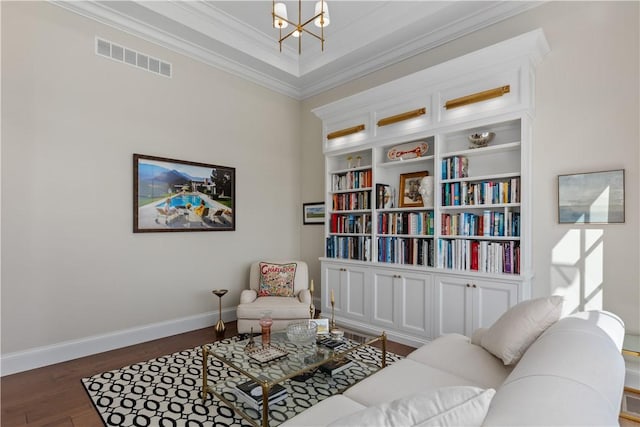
(53, 396)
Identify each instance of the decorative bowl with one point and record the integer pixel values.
(480, 139)
(302, 332)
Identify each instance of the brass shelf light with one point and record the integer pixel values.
(281, 21)
(345, 132)
(477, 97)
(401, 117)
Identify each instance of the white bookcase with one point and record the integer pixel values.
(419, 272)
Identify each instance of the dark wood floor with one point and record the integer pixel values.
(53, 396)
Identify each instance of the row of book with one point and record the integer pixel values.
(341, 223)
(482, 256)
(489, 223)
(481, 193)
(410, 223)
(352, 180)
(351, 201)
(455, 167)
(410, 251)
(352, 247)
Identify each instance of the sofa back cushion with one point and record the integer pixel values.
(447, 406)
(510, 336)
(573, 374)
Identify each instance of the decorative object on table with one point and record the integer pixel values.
(409, 196)
(267, 353)
(332, 324)
(302, 332)
(312, 308)
(426, 191)
(323, 325)
(409, 150)
(251, 345)
(337, 334)
(265, 323)
(582, 200)
(480, 139)
(384, 196)
(165, 192)
(250, 392)
(220, 328)
(313, 213)
(336, 366)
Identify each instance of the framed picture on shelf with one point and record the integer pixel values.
(591, 198)
(313, 213)
(409, 194)
(179, 195)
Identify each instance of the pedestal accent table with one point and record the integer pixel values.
(220, 328)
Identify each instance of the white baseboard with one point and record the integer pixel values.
(25, 360)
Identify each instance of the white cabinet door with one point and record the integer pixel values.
(415, 294)
(385, 301)
(491, 300)
(348, 284)
(463, 304)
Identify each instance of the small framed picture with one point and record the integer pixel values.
(323, 325)
(409, 195)
(313, 213)
(384, 196)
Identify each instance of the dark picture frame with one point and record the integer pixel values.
(313, 213)
(591, 198)
(409, 194)
(171, 195)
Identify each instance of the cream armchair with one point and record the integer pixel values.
(284, 310)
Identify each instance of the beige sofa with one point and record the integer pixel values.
(558, 373)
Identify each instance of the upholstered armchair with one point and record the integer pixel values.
(274, 287)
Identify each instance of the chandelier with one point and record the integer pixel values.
(280, 21)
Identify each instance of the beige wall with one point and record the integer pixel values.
(71, 120)
(587, 98)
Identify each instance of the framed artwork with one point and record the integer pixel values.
(591, 198)
(384, 196)
(172, 195)
(409, 195)
(313, 213)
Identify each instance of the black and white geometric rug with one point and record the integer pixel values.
(165, 392)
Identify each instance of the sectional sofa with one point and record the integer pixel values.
(529, 368)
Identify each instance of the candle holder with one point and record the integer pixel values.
(220, 327)
(333, 319)
(312, 308)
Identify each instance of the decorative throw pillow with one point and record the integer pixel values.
(447, 406)
(520, 326)
(277, 279)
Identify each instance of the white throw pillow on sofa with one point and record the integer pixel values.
(519, 327)
(447, 406)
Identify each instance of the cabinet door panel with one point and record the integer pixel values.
(454, 310)
(416, 298)
(491, 300)
(384, 300)
(332, 277)
(354, 288)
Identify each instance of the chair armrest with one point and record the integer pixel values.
(304, 296)
(248, 296)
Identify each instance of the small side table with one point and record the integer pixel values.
(631, 396)
(220, 328)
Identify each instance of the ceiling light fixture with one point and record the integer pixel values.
(280, 21)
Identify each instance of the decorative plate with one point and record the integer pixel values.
(410, 150)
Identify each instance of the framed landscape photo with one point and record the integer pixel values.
(409, 194)
(313, 213)
(591, 198)
(172, 195)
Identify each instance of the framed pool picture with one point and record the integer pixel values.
(591, 198)
(172, 195)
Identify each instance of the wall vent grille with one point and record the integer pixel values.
(128, 56)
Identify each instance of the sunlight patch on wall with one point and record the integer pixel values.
(577, 269)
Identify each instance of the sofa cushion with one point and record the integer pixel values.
(401, 379)
(276, 279)
(454, 353)
(280, 308)
(324, 412)
(510, 336)
(448, 406)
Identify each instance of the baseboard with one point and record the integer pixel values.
(20, 361)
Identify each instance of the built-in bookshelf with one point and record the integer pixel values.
(444, 248)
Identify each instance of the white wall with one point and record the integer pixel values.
(72, 268)
(587, 120)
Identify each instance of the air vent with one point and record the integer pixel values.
(128, 56)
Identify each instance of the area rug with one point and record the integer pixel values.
(165, 392)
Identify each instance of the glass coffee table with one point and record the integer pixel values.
(292, 368)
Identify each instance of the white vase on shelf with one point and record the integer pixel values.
(426, 191)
